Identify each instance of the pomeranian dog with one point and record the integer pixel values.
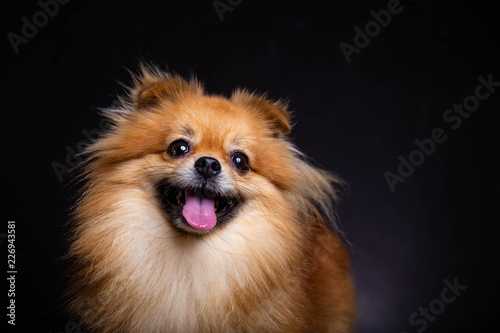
(198, 214)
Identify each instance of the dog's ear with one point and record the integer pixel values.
(153, 86)
(275, 114)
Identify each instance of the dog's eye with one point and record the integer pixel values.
(240, 161)
(178, 148)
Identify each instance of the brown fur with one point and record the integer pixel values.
(276, 267)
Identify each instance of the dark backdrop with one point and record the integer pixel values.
(354, 118)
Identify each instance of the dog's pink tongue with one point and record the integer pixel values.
(199, 211)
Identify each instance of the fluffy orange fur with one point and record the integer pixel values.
(277, 266)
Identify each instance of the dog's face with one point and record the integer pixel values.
(214, 160)
(207, 159)
(201, 193)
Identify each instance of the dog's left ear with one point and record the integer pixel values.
(275, 114)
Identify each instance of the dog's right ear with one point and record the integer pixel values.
(153, 86)
(274, 114)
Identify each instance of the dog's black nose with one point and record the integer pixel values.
(207, 166)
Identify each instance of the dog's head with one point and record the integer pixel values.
(220, 154)
(192, 204)
(207, 158)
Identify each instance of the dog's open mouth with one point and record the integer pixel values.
(196, 210)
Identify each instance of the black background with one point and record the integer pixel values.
(354, 119)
